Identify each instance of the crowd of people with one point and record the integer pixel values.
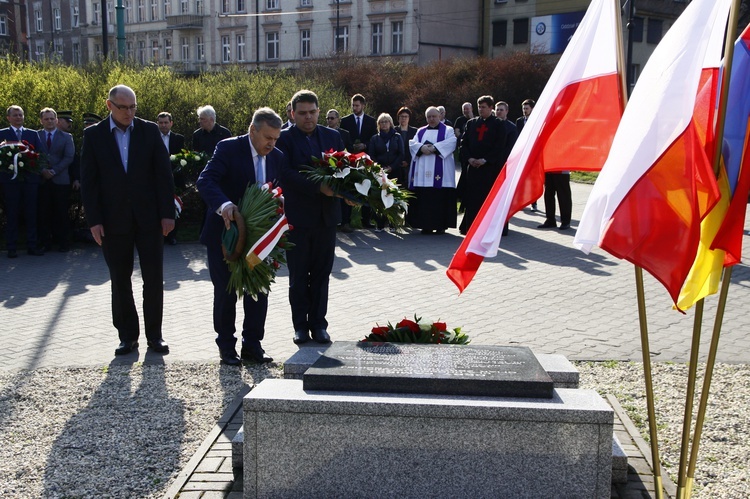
(125, 178)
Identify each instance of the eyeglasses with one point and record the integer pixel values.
(121, 107)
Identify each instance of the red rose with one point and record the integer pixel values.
(340, 164)
(339, 154)
(440, 326)
(413, 326)
(381, 330)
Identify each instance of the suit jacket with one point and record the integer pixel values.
(520, 122)
(121, 200)
(32, 138)
(60, 155)
(304, 205)
(176, 143)
(226, 177)
(369, 128)
(346, 138)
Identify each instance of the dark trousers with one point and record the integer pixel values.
(225, 306)
(119, 255)
(310, 262)
(557, 183)
(54, 222)
(20, 197)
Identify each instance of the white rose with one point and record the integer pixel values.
(172, 157)
(183, 162)
(20, 163)
(197, 158)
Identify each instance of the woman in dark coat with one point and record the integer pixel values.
(387, 149)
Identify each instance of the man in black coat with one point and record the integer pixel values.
(313, 211)
(361, 128)
(237, 162)
(128, 196)
(175, 143)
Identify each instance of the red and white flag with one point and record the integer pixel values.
(658, 182)
(571, 128)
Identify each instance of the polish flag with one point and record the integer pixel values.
(570, 128)
(658, 182)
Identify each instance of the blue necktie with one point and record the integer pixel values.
(359, 126)
(19, 133)
(260, 176)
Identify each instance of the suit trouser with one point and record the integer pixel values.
(54, 221)
(119, 255)
(225, 306)
(20, 196)
(557, 183)
(310, 262)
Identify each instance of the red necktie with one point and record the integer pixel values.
(49, 141)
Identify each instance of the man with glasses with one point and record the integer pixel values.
(127, 190)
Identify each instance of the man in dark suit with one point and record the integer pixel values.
(237, 162)
(526, 107)
(210, 133)
(361, 128)
(313, 211)
(20, 193)
(334, 121)
(175, 143)
(128, 196)
(54, 192)
(289, 118)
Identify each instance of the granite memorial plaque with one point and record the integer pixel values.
(493, 371)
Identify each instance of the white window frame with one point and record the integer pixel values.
(377, 38)
(142, 52)
(184, 6)
(343, 35)
(168, 49)
(240, 39)
(75, 16)
(141, 11)
(3, 25)
(167, 8)
(57, 18)
(272, 5)
(154, 10)
(128, 11)
(397, 37)
(225, 6)
(226, 50)
(76, 53)
(58, 48)
(241, 6)
(305, 3)
(305, 43)
(185, 48)
(199, 7)
(200, 48)
(38, 20)
(39, 53)
(155, 51)
(272, 46)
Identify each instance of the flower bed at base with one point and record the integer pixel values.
(408, 331)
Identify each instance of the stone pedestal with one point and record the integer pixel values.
(301, 443)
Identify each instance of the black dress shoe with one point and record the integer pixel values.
(12, 254)
(547, 225)
(255, 353)
(158, 346)
(229, 357)
(126, 347)
(301, 336)
(36, 252)
(564, 227)
(321, 336)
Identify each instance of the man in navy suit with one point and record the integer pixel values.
(54, 192)
(313, 211)
(361, 128)
(128, 197)
(20, 193)
(237, 162)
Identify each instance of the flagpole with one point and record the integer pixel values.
(707, 380)
(656, 464)
(710, 362)
(689, 396)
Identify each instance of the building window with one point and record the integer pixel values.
(341, 39)
(141, 11)
(110, 13)
(167, 8)
(199, 7)
(128, 11)
(225, 53)
(38, 21)
(272, 46)
(75, 16)
(142, 52)
(397, 28)
(57, 19)
(58, 50)
(225, 6)
(183, 6)
(200, 52)
(3, 24)
(76, 48)
(97, 51)
(655, 28)
(39, 51)
(154, 10)
(304, 38)
(240, 48)
(499, 33)
(305, 3)
(129, 51)
(377, 38)
(154, 50)
(272, 4)
(240, 5)
(520, 31)
(185, 48)
(167, 49)
(638, 29)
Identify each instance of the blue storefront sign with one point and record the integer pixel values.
(551, 34)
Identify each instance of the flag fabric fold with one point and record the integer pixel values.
(658, 184)
(571, 128)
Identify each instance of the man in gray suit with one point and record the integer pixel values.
(54, 193)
